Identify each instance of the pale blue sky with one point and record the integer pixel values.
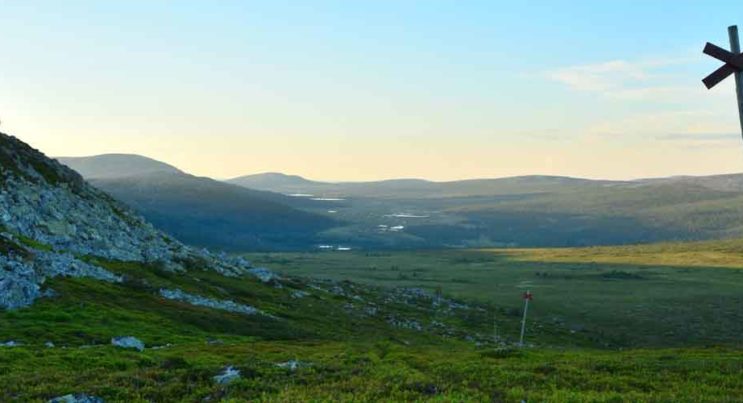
(345, 90)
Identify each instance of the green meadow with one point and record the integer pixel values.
(637, 296)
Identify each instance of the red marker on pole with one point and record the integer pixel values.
(527, 297)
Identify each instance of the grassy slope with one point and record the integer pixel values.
(356, 357)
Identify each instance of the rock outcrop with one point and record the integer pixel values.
(52, 221)
(197, 300)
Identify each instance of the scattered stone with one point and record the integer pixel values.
(214, 342)
(416, 293)
(297, 294)
(10, 343)
(371, 310)
(409, 324)
(76, 398)
(228, 375)
(49, 344)
(338, 290)
(128, 342)
(263, 274)
(292, 365)
(225, 305)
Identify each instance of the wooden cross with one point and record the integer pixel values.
(733, 60)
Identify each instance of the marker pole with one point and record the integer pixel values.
(527, 297)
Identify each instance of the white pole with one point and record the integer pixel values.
(495, 326)
(523, 321)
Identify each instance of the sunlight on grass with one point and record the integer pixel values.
(722, 254)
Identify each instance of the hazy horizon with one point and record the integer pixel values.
(338, 91)
(331, 180)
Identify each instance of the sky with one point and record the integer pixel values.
(364, 90)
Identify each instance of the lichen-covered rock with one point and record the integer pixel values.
(84, 221)
(10, 343)
(76, 398)
(19, 283)
(263, 274)
(21, 275)
(63, 218)
(292, 365)
(225, 305)
(403, 323)
(298, 294)
(128, 342)
(227, 375)
(65, 265)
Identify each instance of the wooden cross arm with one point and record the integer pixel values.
(732, 64)
(718, 75)
(724, 55)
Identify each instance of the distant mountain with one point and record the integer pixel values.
(273, 211)
(273, 180)
(202, 211)
(725, 182)
(116, 166)
(534, 210)
(293, 184)
(416, 188)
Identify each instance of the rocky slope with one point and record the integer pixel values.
(55, 226)
(52, 223)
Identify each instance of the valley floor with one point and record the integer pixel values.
(610, 297)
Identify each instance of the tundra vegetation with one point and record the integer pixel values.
(346, 353)
(99, 304)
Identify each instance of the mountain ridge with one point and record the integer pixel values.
(527, 211)
(203, 211)
(271, 178)
(116, 165)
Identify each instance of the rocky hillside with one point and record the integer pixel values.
(52, 223)
(56, 227)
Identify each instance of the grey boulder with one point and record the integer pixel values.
(76, 398)
(128, 342)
